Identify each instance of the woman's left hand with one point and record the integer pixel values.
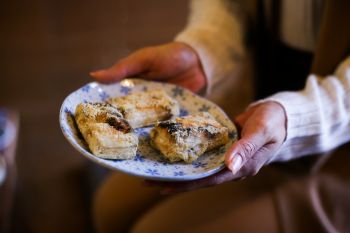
(263, 131)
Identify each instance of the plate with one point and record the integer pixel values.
(148, 162)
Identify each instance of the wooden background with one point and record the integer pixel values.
(47, 48)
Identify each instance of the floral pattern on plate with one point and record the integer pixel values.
(148, 162)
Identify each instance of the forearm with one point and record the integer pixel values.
(318, 117)
(215, 31)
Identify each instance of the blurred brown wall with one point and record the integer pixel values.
(47, 49)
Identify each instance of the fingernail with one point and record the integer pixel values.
(236, 163)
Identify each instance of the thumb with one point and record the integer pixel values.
(243, 150)
(133, 65)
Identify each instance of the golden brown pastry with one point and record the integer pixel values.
(146, 108)
(187, 138)
(105, 130)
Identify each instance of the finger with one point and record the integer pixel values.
(190, 80)
(136, 64)
(243, 117)
(244, 149)
(176, 187)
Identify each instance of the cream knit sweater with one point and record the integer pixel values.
(318, 117)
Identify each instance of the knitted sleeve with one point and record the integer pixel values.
(318, 117)
(215, 31)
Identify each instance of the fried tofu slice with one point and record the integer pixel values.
(187, 138)
(105, 130)
(146, 108)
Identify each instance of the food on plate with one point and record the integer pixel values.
(146, 107)
(105, 130)
(187, 138)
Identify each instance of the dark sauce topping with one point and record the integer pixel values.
(122, 111)
(177, 128)
(172, 127)
(207, 133)
(119, 124)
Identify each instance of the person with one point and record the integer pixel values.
(210, 56)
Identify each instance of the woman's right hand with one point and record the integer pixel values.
(174, 62)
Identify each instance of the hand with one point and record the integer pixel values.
(175, 62)
(263, 130)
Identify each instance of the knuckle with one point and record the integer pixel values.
(248, 149)
(264, 150)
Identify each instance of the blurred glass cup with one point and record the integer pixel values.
(7, 136)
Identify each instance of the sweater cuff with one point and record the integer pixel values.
(219, 57)
(303, 121)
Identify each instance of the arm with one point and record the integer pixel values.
(215, 31)
(286, 126)
(206, 51)
(318, 117)
(315, 120)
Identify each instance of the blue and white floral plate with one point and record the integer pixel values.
(148, 163)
